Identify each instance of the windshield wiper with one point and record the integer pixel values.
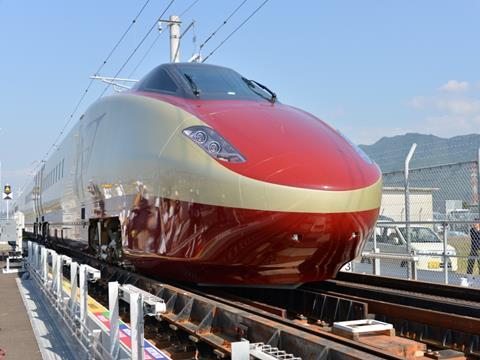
(193, 85)
(253, 83)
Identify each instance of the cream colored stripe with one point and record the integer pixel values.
(185, 172)
(192, 175)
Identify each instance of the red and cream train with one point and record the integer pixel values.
(198, 174)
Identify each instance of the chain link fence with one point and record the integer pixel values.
(427, 227)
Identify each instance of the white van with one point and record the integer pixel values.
(424, 242)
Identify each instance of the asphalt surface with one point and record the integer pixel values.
(17, 339)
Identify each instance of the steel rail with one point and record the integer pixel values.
(434, 289)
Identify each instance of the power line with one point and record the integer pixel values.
(145, 55)
(236, 29)
(138, 46)
(222, 25)
(79, 102)
(188, 8)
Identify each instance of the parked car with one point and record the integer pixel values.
(424, 242)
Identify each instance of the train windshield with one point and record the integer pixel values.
(218, 83)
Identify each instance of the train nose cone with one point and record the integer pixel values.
(286, 146)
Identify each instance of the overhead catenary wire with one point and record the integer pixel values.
(236, 29)
(84, 94)
(188, 8)
(145, 55)
(139, 45)
(221, 25)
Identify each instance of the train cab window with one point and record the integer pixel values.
(204, 82)
(216, 82)
(159, 81)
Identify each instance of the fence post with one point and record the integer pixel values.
(407, 207)
(376, 261)
(478, 182)
(445, 257)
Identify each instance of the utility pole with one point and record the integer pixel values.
(478, 184)
(174, 23)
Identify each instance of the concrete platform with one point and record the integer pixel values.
(17, 338)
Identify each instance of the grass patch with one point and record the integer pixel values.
(462, 245)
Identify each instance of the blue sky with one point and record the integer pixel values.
(369, 68)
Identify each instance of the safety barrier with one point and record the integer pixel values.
(103, 337)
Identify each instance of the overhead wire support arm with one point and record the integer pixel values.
(139, 44)
(95, 77)
(112, 81)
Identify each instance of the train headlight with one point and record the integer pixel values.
(214, 147)
(200, 137)
(213, 144)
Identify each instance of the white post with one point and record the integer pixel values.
(30, 255)
(59, 281)
(54, 269)
(137, 323)
(174, 38)
(445, 257)
(20, 225)
(73, 287)
(83, 293)
(44, 260)
(35, 256)
(241, 350)
(407, 207)
(113, 310)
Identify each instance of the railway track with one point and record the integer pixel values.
(442, 317)
(201, 322)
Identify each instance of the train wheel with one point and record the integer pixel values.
(114, 240)
(93, 237)
(105, 239)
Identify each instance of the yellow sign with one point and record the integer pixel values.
(7, 189)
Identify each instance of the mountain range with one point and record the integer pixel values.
(390, 152)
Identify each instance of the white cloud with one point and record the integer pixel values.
(454, 85)
(463, 106)
(419, 102)
(451, 112)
